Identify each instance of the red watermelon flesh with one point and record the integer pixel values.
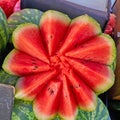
(50, 34)
(27, 38)
(77, 60)
(82, 92)
(46, 103)
(84, 28)
(29, 86)
(97, 76)
(68, 106)
(97, 49)
(23, 64)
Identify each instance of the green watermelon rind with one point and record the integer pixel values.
(4, 31)
(23, 16)
(6, 78)
(59, 16)
(22, 110)
(113, 59)
(84, 18)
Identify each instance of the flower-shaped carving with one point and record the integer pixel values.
(62, 64)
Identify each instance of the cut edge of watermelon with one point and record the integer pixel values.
(16, 31)
(84, 19)
(114, 51)
(41, 116)
(6, 64)
(107, 85)
(52, 92)
(56, 15)
(40, 51)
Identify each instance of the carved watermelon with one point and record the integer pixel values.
(62, 63)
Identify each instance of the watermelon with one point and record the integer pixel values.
(23, 110)
(23, 16)
(4, 33)
(62, 64)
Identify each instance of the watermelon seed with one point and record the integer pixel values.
(51, 91)
(66, 96)
(35, 67)
(51, 36)
(77, 86)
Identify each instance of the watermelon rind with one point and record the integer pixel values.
(85, 18)
(6, 78)
(56, 15)
(4, 31)
(23, 16)
(23, 110)
(114, 51)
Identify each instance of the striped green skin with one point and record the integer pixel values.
(6, 78)
(22, 110)
(23, 16)
(4, 32)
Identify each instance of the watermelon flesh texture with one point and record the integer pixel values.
(84, 28)
(34, 84)
(27, 38)
(97, 76)
(51, 36)
(22, 64)
(68, 67)
(43, 109)
(82, 92)
(68, 106)
(97, 49)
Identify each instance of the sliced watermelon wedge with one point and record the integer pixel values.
(63, 65)
(29, 86)
(99, 49)
(26, 38)
(50, 34)
(68, 106)
(82, 92)
(81, 29)
(97, 76)
(21, 67)
(46, 103)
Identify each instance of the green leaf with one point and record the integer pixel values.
(23, 16)
(23, 111)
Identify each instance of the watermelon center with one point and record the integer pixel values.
(59, 63)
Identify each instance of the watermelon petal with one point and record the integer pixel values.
(81, 29)
(53, 27)
(97, 76)
(45, 105)
(28, 87)
(84, 95)
(26, 38)
(68, 106)
(99, 49)
(16, 65)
